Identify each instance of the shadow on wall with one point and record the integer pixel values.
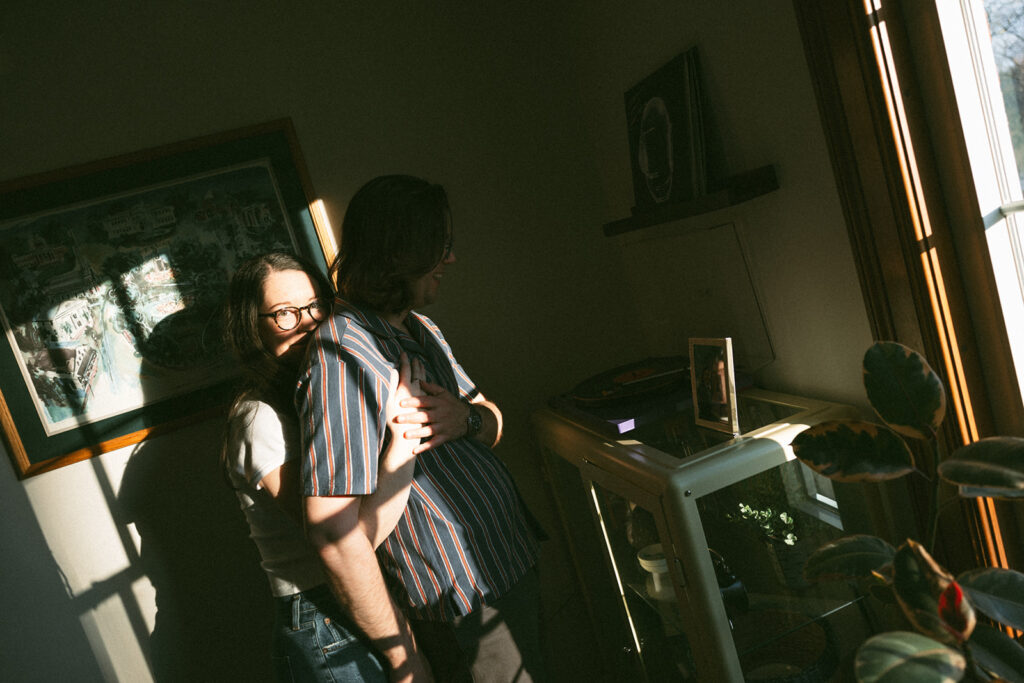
(214, 607)
(214, 616)
(40, 599)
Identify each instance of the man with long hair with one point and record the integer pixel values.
(461, 562)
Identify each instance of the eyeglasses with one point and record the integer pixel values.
(449, 241)
(289, 317)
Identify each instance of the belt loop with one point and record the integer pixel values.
(296, 609)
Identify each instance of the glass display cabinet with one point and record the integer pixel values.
(689, 543)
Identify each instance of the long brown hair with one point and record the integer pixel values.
(395, 230)
(263, 376)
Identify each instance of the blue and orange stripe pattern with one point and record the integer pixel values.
(465, 537)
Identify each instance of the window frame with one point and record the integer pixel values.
(897, 146)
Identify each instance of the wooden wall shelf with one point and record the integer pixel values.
(735, 190)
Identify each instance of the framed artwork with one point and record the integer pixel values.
(665, 121)
(112, 277)
(713, 379)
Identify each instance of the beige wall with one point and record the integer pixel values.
(759, 93)
(519, 113)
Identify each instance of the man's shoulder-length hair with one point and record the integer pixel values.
(395, 231)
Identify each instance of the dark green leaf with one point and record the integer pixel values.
(998, 593)
(848, 450)
(903, 389)
(972, 492)
(997, 653)
(883, 593)
(991, 467)
(851, 557)
(905, 657)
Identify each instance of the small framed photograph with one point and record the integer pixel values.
(713, 379)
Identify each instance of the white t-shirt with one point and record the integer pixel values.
(261, 439)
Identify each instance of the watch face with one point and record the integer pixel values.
(473, 422)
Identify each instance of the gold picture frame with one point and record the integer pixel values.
(111, 278)
(713, 382)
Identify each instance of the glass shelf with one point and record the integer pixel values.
(678, 435)
(671, 488)
(631, 533)
(787, 618)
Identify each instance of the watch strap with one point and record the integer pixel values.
(474, 421)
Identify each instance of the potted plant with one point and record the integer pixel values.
(947, 642)
(775, 526)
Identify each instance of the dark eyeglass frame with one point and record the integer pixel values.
(449, 242)
(297, 311)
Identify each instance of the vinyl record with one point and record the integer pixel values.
(635, 380)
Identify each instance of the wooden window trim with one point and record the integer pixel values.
(900, 171)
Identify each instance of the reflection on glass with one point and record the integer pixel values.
(714, 385)
(711, 389)
(681, 437)
(787, 626)
(650, 598)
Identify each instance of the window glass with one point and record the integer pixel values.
(984, 42)
(1006, 26)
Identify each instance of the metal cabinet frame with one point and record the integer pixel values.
(670, 487)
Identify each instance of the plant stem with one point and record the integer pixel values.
(971, 668)
(938, 449)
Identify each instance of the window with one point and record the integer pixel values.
(1006, 29)
(811, 493)
(985, 46)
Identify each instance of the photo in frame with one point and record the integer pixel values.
(713, 382)
(112, 277)
(665, 123)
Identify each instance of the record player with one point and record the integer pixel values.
(617, 401)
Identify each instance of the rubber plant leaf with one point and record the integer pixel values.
(904, 390)
(997, 652)
(992, 467)
(929, 596)
(853, 451)
(902, 656)
(996, 593)
(850, 557)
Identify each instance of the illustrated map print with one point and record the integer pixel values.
(113, 305)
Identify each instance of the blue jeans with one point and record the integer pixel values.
(314, 640)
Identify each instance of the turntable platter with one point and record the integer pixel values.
(647, 377)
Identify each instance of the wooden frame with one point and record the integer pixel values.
(111, 279)
(887, 195)
(713, 382)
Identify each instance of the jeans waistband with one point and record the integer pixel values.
(290, 607)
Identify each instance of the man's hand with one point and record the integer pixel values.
(415, 670)
(442, 416)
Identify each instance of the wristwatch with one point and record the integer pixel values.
(473, 421)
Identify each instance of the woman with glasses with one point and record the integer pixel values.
(274, 302)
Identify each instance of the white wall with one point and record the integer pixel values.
(519, 113)
(759, 94)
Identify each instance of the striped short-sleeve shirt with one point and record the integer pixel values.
(465, 537)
